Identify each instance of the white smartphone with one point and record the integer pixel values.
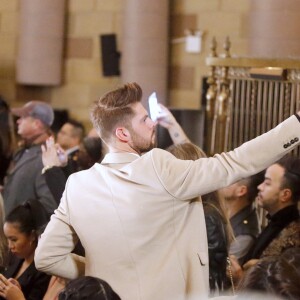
(153, 107)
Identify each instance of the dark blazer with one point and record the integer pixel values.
(34, 283)
(25, 181)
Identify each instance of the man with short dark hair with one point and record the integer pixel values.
(24, 180)
(70, 135)
(279, 195)
(133, 213)
(239, 198)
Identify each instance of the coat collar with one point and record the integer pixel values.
(119, 158)
(284, 216)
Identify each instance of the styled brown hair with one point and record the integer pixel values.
(115, 109)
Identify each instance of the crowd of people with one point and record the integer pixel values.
(110, 216)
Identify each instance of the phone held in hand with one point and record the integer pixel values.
(61, 156)
(154, 108)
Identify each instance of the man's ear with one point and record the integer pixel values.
(286, 195)
(241, 190)
(38, 124)
(122, 134)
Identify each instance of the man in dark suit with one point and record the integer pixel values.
(24, 180)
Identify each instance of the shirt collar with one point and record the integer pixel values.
(119, 158)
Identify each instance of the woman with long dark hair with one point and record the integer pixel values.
(21, 228)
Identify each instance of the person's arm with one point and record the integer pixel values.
(43, 194)
(53, 253)
(168, 121)
(56, 181)
(188, 179)
(51, 177)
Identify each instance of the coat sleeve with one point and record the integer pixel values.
(185, 179)
(42, 191)
(53, 254)
(56, 181)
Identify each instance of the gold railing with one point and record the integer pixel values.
(247, 97)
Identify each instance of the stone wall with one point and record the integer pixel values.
(86, 20)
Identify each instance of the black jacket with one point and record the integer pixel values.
(217, 249)
(34, 283)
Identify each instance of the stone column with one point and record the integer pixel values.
(274, 28)
(145, 39)
(40, 45)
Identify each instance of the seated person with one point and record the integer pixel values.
(239, 198)
(88, 288)
(278, 195)
(21, 230)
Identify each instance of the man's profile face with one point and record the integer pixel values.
(26, 127)
(66, 138)
(142, 131)
(269, 191)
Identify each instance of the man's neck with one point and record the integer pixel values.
(274, 211)
(121, 148)
(36, 139)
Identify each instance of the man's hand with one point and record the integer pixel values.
(168, 121)
(165, 118)
(53, 154)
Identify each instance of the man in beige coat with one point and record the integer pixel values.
(132, 212)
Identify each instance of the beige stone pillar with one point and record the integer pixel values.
(144, 57)
(274, 28)
(40, 45)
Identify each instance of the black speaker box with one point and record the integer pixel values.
(110, 55)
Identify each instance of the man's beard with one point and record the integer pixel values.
(141, 145)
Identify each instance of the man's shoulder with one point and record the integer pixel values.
(289, 237)
(85, 173)
(292, 228)
(245, 222)
(158, 153)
